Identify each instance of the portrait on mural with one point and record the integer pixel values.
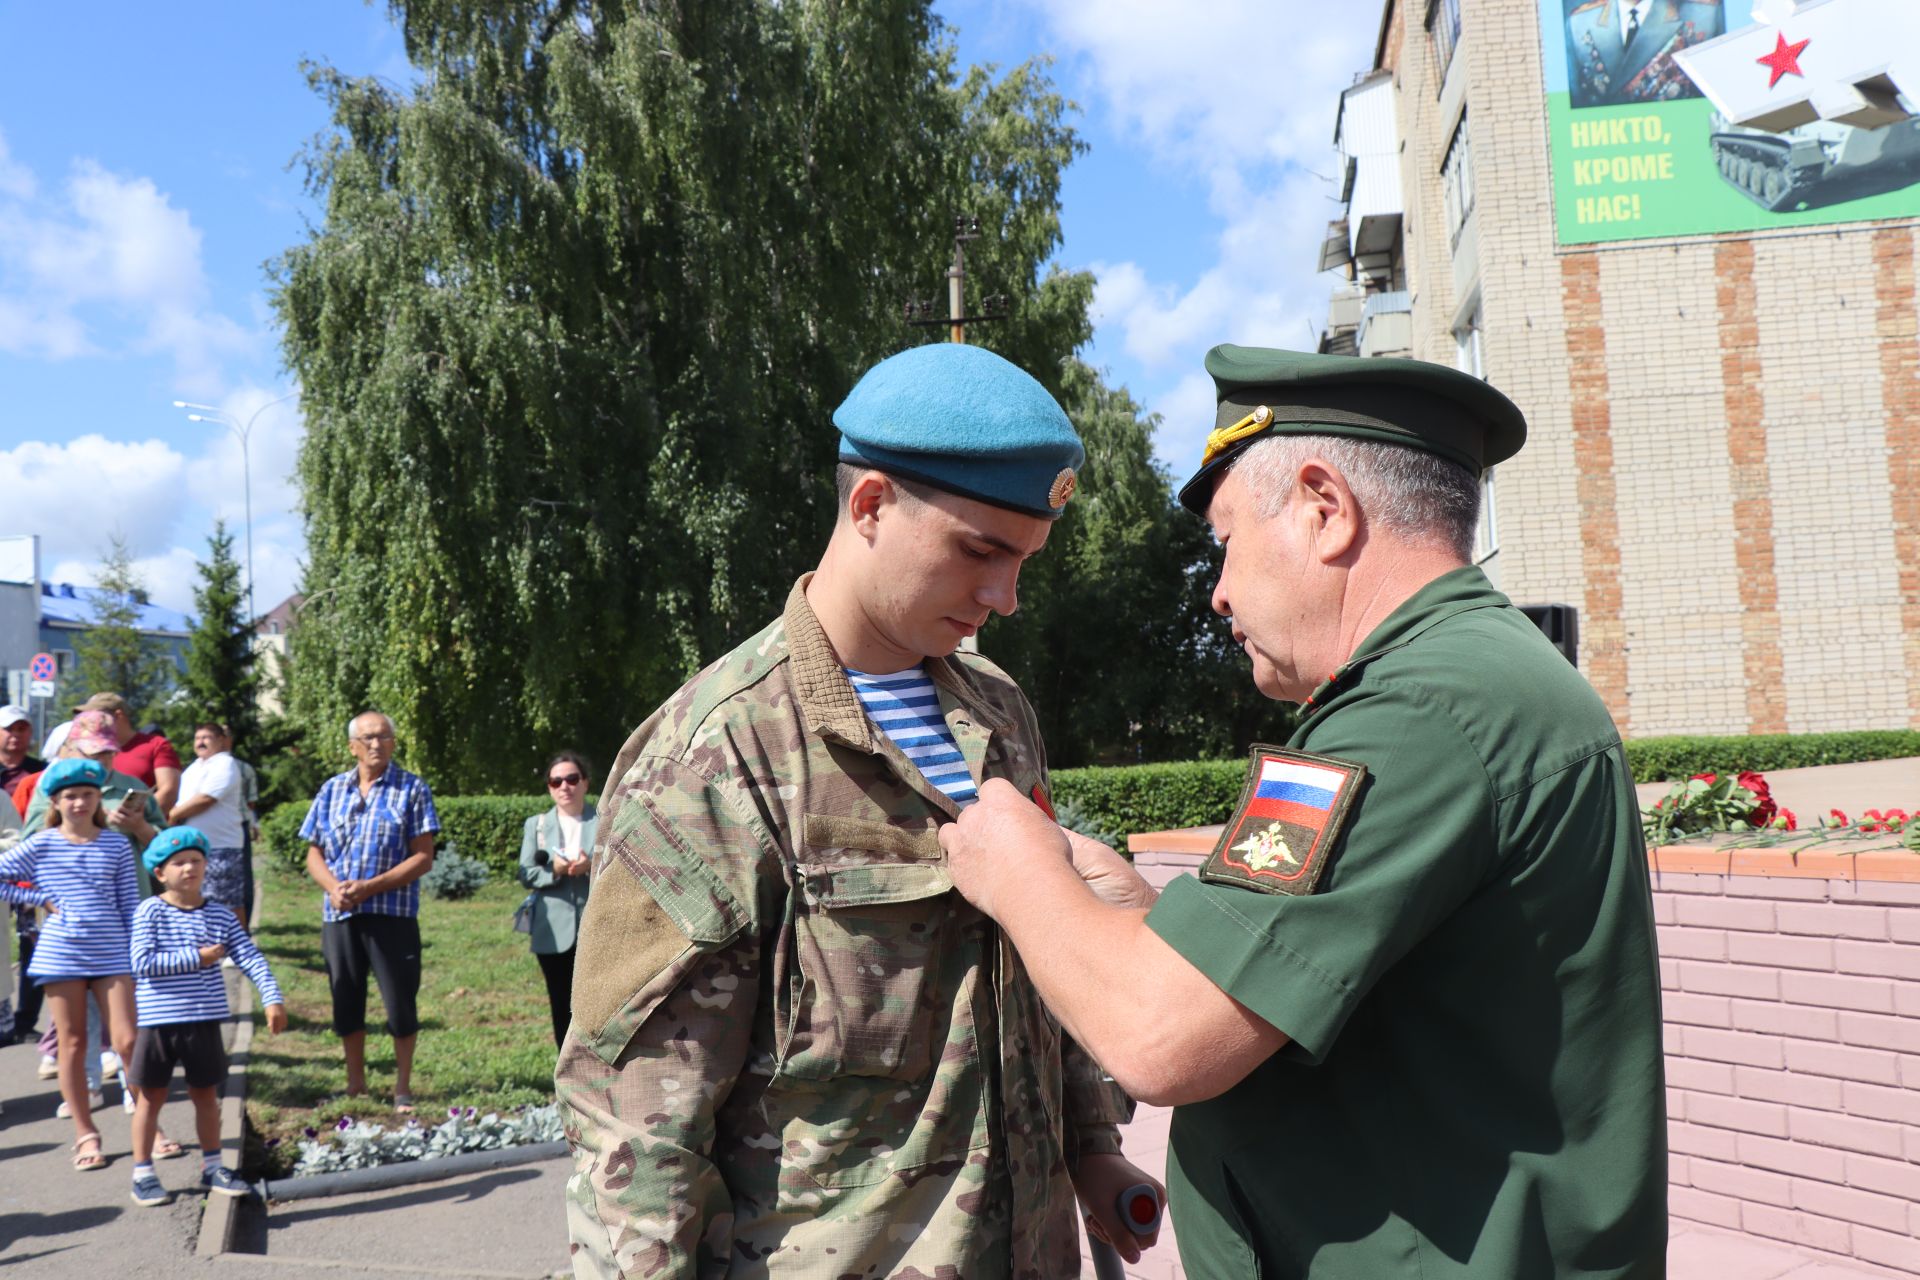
(1621, 51)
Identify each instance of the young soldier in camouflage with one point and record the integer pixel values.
(794, 1050)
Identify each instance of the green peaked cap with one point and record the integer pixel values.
(1391, 401)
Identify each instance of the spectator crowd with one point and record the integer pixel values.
(127, 885)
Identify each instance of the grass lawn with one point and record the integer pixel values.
(485, 1037)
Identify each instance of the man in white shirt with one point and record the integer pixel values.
(213, 798)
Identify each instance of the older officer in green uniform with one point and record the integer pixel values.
(1409, 1008)
(795, 1051)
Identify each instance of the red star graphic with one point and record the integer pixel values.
(1784, 60)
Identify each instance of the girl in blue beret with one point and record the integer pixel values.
(83, 874)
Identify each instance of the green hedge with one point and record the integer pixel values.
(1130, 799)
(1671, 759)
(483, 827)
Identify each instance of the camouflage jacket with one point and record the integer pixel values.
(795, 1051)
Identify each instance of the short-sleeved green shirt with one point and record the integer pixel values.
(1474, 1083)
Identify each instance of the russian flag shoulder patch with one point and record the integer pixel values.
(1290, 813)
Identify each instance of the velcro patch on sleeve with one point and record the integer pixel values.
(1290, 813)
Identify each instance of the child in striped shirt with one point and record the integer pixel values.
(179, 940)
(84, 875)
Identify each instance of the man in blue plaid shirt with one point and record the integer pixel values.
(369, 840)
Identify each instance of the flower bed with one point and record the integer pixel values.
(353, 1144)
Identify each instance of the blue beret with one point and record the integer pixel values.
(963, 419)
(171, 841)
(77, 772)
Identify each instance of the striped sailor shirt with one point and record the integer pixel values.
(96, 888)
(906, 707)
(364, 836)
(170, 984)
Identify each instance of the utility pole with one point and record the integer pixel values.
(923, 314)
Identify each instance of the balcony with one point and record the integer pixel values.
(1386, 324)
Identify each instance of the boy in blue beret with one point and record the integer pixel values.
(179, 940)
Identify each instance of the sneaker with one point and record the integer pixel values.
(224, 1182)
(109, 1063)
(95, 1101)
(49, 1067)
(126, 1095)
(147, 1191)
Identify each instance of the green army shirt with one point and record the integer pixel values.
(1473, 1084)
(795, 1050)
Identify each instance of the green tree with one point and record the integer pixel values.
(112, 655)
(221, 683)
(1116, 642)
(574, 324)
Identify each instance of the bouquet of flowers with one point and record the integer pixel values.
(1707, 804)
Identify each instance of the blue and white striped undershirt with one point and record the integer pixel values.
(171, 984)
(906, 707)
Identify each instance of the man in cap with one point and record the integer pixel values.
(1408, 1011)
(794, 1050)
(16, 748)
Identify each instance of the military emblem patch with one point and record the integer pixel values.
(1290, 813)
(1063, 486)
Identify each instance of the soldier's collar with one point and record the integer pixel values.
(1453, 593)
(827, 700)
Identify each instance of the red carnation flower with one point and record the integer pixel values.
(1840, 819)
(1785, 821)
(1708, 778)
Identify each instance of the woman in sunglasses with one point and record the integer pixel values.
(555, 854)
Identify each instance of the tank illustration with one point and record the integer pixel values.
(1816, 164)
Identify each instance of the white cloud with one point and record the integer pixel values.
(108, 265)
(1256, 136)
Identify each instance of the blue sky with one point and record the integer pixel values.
(146, 179)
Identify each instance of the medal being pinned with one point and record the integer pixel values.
(1289, 815)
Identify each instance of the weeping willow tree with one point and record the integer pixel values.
(571, 330)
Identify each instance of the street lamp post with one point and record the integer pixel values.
(212, 413)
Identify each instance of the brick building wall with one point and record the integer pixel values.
(1793, 1058)
(1724, 466)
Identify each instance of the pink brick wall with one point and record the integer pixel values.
(1793, 1059)
(1793, 1055)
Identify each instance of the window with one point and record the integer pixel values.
(1443, 21)
(1469, 358)
(1456, 180)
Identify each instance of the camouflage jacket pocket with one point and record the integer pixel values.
(865, 987)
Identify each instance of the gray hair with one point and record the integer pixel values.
(356, 719)
(1409, 492)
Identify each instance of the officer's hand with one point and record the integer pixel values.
(1110, 876)
(1099, 1182)
(993, 839)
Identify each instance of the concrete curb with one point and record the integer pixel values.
(221, 1215)
(408, 1172)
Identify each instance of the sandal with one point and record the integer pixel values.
(403, 1104)
(165, 1148)
(86, 1162)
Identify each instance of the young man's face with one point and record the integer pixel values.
(183, 872)
(944, 566)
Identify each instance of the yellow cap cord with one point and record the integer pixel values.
(1219, 440)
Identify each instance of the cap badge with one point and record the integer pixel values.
(1253, 424)
(1063, 486)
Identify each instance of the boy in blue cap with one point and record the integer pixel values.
(179, 940)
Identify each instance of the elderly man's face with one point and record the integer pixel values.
(16, 738)
(1266, 588)
(372, 741)
(206, 743)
